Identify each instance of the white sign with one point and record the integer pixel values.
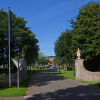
(15, 60)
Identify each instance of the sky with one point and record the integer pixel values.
(46, 18)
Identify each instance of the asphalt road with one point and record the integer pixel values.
(47, 86)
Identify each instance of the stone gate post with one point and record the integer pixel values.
(78, 68)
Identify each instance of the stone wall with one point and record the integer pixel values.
(84, 75)
(22, 73)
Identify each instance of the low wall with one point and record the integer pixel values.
(84, 75)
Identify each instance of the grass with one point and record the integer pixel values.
(92, 83)
(5, 91)
(66, 74)
(10, 92)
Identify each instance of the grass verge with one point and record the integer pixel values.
(66, 74)
(5, 91)
(92, 83)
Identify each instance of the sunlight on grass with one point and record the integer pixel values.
(92, 83)
(8, 92)
(66, 74)
(5, 91)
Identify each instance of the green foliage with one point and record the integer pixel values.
(86, 31)
(85, 35)
(42, 59)
(63, 48)
(23, 37)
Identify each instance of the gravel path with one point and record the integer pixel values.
(48, 86)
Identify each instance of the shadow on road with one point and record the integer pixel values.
(44, 77)
(74, 93)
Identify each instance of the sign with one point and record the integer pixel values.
(15, 60)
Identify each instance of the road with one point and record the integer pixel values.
(48, 86)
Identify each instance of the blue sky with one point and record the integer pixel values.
(46, 18)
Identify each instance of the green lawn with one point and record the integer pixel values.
(5, 91)
(66, 74)
(92, 83)
(9, 92)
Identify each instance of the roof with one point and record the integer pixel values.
(50, 56)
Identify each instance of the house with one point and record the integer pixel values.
(50, 59)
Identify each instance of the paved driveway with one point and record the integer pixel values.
(47, 86)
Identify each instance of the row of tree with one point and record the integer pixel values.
(85, 34)
(42, 60)
(41, 63)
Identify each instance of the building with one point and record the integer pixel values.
(51, 60)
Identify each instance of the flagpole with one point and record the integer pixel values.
(9, 40)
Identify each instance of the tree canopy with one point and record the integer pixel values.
(42, 60)
(23, 38)
(85, 35)
(63, 48)
(86, 30)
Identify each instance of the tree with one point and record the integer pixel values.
(63, 49)
(42, 60)
(86, 33)
(23, 37)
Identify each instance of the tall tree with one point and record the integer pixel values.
(86, 32)
(63, 48)
(23, 37)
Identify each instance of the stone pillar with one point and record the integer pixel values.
(23, 72)
(78, 68)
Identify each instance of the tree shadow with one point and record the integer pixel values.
(44, 77)
(82, 92)
(41, 78)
